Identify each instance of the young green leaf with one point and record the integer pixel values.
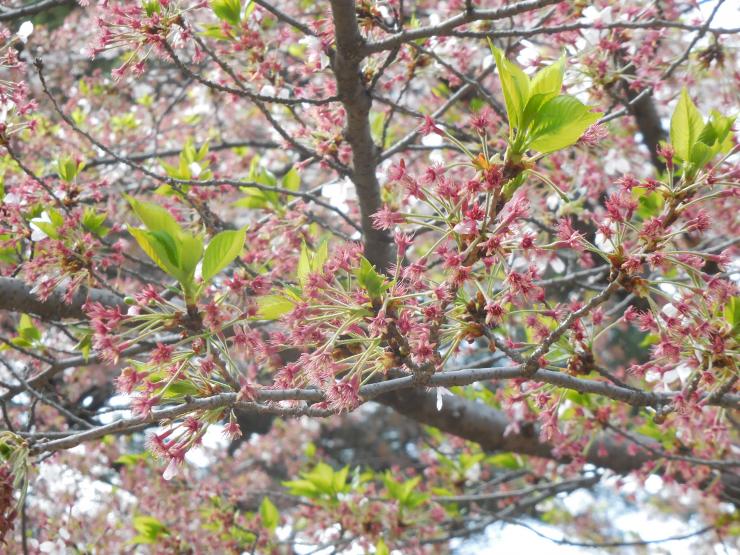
(560, 123)
(339, 480)
(156, 248)
(715, 137)
(131, 459)
(369, 279)
(732, 312)
(291, 180)
(92, 221)
(549, 80)
(46, 224)
(304, 264)
(686, 125)
(228, 10)
(515, 86)
(191, 251)
(272, 307)
(27, 330)
(255, 199)
(67, 168)
(169, 245)
(149, 528)
(545, 85)
(151, 7)
(222, 250)
(179, 390)
(154, 217)
(320, 257)
(505, 460)
(269, 514)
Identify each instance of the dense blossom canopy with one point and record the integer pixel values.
(366, 276)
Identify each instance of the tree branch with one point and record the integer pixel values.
(490, 429)
(33, 9)
(468, 16)
(357, 102)
(17, 296)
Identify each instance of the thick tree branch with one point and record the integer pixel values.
(491, 430)
(17, 296)
(468, 16)
(33, 9)
(357, 102)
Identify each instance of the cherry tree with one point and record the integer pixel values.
(357, 276)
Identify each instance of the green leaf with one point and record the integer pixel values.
(169, 246)
(151, 7)
(214, 31)
(292, 180)
(84, 346)
(27, 330)
(49, 222)
(714, 138)
(322, 476)
(369, 279)
(93, 222)
(381, 548)
(505, 460)
(272, 307)
(68, 169)
(545, 85)
(649, 339)
(154, 250)
(255, 199)
(221, 251)
(580, 399)
(154, 217)
(700, 154)
(732, 312)
(650, 203)
(227, 10)
(548, 80)
(131, 459)
(56, 217)
(242, 537)
(321, 480)
(515, 86)
(302, 488)
(559, 123)
(723, 127)
(22, 343)
(339, 479)
(180, 389)
(304, 264)
(320, 257)
(191, 251)
(686, 125)
(48, 228)
(149, 528)
(408, 486)
(175, 172)
(530, 114)
(269, 514)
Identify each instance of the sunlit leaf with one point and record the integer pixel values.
(686, 125)
(221, 251)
